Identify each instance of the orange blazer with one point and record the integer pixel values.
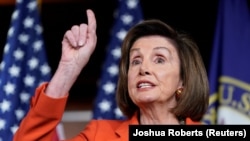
(45, 113)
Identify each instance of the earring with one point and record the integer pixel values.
(178, 93)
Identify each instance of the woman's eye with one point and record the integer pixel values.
(160, 60)
(135, 62)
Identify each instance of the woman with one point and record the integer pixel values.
(162, 80)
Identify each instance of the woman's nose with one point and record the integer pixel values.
(144, 70)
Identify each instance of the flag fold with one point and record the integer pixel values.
(23, 67)
(128, 14)
(229, 77)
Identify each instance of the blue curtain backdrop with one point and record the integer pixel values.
(230, 68)
(127, 14)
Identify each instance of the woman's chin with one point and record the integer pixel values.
(147, 100)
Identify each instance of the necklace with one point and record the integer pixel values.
(180, 119)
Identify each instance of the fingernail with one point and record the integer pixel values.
(80, 43)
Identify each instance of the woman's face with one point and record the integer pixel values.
(154, 71)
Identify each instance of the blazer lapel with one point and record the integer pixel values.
(123, 130)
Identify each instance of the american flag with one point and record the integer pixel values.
(23, 68)
(127, 15)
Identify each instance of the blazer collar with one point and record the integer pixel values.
(123, 130)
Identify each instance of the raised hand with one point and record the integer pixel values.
(78, 45)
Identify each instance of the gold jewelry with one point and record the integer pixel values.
(178, 93)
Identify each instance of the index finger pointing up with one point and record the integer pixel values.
(91, 21)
